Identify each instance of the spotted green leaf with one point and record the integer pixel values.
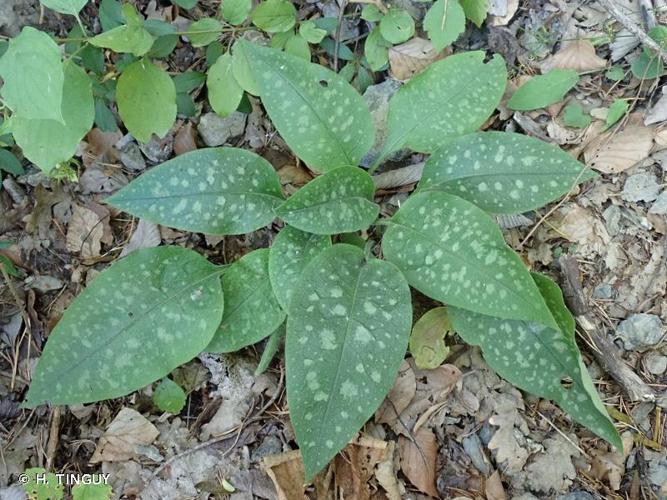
(543, 90)
(539, 359)
(502, 172)
(444, 22)
(146, 98)
(131, 37)
(397, 25)
(453, 97)
(33, 76)
(71, 7)
(211, 190)
(427, 340)
(139, 319)
(290, 252)
(45, 142)
(347, 333)
(224, 93)
(251, 309)
(340, 201)
(205, 31)
(169, 396)
(236, 11)
(454, 252)
(274, 16)
(320, 116)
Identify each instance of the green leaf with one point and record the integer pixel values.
(251, 309)
(131, 38)
(298, 46)
(310, 31)
(427, 340)
(241, 69)
(9, 163)
(615, 112)
(47, 143)
(320, 116)
(33, 76)
(376, 50)
(224, 93)
(188, 81)
(444, 22)
(615, 73)
(96, 491)
(502, 172)
(110, 14)
(205, 31)
(290, 253)
(9, 266)
(139, 319)
(649, 65)
(347, 334)
(538, 359)
(186, 4)
(210, 190)
(169, 396)
(146, 98)
(574, 116)
(397, 25)
(452, 97)
(71, 7)
(543, 90)
(235, 12)
(371, 13)
(274, 16)
(42, 485)
(165, 38)
(475, 10)
(271, 349)
(453, 252)
(340, 201)
(104, 118)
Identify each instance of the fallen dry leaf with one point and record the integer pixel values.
(100, 146)
(386, 475)
(399, 396)
(128, 431)
(579, 225)
(146, 235)
(494, 487)
(609, 466)
(553, 470)
(578, 55)
(612, 153)
(286, 471)
(418, 460)
(412, 57)
(184, 141)
(511, 425)
(84, 233)
(355, 466)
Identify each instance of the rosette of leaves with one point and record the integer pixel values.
(348, 313)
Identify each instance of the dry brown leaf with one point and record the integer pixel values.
(511, 426)
(581, 226)
(286, 471)
(84, 233)
(386, 475)
(399, 396)
(128, 431)
(412, 57)
(146, 235)
(494, 488)
(609, 466)
(578, 55)
(100, 146)
(184, 142)
(612, 153)
(418, 460)
(355, 466)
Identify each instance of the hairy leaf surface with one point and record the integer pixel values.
(538, 359)
(251, 309)
(146, 98)
(503, 172)
(340, 201)
(452, 251)
(139, 319)
(453, 97)
(211, 190)
(290, 253)
(33, 75)
(347, 334)
(320, 116)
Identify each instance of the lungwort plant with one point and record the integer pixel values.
(348, 313)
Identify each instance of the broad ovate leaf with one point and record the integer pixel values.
(274, 16)
(397, 25)
(320, 116)
(503, 172)
(236, 11)
(45, 142)
(210, 190)
(251, 309)
(139, 319)
(452, 97)
(540, 359)
(146, 98)
(33, 76)
(444, 22)
(204, 31)
(290, 253)
(427, 340)
(543, 90)
(347, 333)
(454, 252)
(224, 93)
(132, 37)
(169, 396)
(340, 201)
(71, 7)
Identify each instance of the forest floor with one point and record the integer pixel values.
(485, 438)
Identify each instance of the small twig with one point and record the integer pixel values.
(54, 438)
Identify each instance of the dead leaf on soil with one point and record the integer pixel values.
(185, 141)
(494, 487)
(553, 470)
(385, 474)
(418, 460)
(100, 146)
(511, 425)
(122, 439)
(579, 225)
(608, 466)
(286, 471)
(146, 235)
(578, 55)
(612, 152)
(85, 232)
(399, 396)
(412, 57)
